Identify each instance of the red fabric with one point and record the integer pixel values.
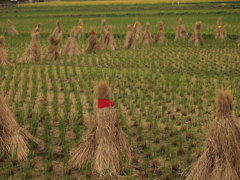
(161, 29)
(92, 33)
(102, 103)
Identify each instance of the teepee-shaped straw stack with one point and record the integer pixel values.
(196, 37)
(32, 52)
(11, 28)
(181, 32)
(54, 39)
(220, 33)
(160, 37)
(78, 32)
(3, 60)
(104, 142)
(137, 29)
(71, 46)
(220, 158)
(147, 36)
(109, 41)
(104, 28)
(130, 39)
(13, 139)
(93, 43)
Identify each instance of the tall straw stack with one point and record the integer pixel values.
(104, 143)
(93, 43)
(196, 37)
(11, 28)
(220, 33)
(109, 41)
(181, 31)
(220, 158)
(137, 29)
(147, 36)
(71, 46)
(13, 139)
(32, 52)
(130, 39)
(78, 32)
(160, 37)
(54, 39)
(104, 28)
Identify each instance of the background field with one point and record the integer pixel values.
(165, 94)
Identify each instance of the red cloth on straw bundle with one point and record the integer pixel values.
(102, 103)
(161, 29)
(92, 33)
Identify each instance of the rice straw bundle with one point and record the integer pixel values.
(137, 29)
(160, 37)
(181, 32)
(109, 41)
(13, 138)
(93, 43)
(71, 46)
(220, 159)
(54, 39)
(32, 52)
(104, 143)
(196, 37)
(220, 33)
(11, 28)
(130, 39)
(79, 29)
(147, 36)
(3, 59)
(104, 28)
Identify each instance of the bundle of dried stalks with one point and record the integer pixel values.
(109, 41)
(147, 36)
(130, 39)
(54, 39)
(160, 37)
(196, 37)
(181, 32)
(3, 59)
(13, 139)
(137, 29)
(104, 28)
(220, 159)
(104, 142)
(71, 46)
(93, 43)
(11, 28)
(32, 52)
(79, 29)
(220, 33)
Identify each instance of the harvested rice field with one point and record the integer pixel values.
(164, 93)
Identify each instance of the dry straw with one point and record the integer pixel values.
(32, 52)
(220, 33)
(109, 41)
(137, 29)
(130, 39)
(160, 37)
(13, 139)
(104, 142)
(147, 36)
(104, 28)
(93, 43)
(71, 46)
(220, 158)
(78, 32)
(181, 31)
(3, 59)
(196, 37)
(11, 28)
(54, 39)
